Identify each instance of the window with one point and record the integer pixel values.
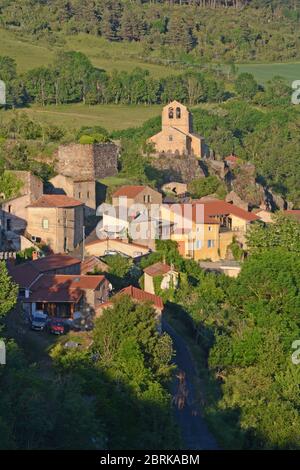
(210, 243)
(198, 245)
(45, 224)
(88, 195)
(9, 209)
(170, 138)
(171, 113)
(79, 195)
(8, 225)
(209, 228)
(178, 113)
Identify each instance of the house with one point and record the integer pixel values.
(139, 296)
(129, 195)
(83, 190)
(91, 264)
(204, 230)
(177, 135)
(165, 274)
(135, 214)
(56, 220)
(13, 211)
(105, 246)
(63, 296)
(265, 216)
(25, 274)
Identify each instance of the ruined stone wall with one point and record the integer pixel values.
(90, 161)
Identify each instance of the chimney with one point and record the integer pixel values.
(35, 255)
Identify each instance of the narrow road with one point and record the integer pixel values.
(195, 433)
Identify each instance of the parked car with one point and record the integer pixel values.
(56, 326)
(38, 320)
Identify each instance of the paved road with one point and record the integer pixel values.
(193, 427)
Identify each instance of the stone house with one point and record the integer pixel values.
(82, 190)
(27, 273)
(177, 135)
(57, 221)
(64, 296)
(166, 275)
(129, 195)
(13, 212)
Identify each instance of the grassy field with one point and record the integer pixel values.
(73, 116)
(116, 56)
(103, 54)
(264, 72)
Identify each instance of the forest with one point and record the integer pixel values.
(181, 31)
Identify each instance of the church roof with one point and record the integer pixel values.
(175, 103)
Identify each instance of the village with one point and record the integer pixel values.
(64, 283)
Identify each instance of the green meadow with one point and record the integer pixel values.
(109, 56)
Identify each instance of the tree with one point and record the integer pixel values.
(9, 185)
(8, 291)
(285, 232)
(246, 86)
(204, 186)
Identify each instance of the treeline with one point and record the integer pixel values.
(248, 29)
(72, 78)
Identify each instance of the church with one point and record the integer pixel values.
(177, 136)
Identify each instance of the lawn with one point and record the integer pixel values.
(73, 116)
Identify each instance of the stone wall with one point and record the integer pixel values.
(90, 161)
(181, 168)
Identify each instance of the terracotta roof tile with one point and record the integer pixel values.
(24, 274)
(138, 295)
(217, 207)
(63, 288)
(157, 269)
(129, 191)
(56, 200)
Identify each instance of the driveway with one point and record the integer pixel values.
(194, 430)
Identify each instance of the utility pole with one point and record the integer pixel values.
(83, 241)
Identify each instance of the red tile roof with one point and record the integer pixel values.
(211, 209)
(129, 191)
(138, 295)
(56, 200)
(214, 208)
(24, 274)
(116, 240)
(191, 212)
(63, 288)
(157, 269)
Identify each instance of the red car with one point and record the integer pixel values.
(56, 326)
